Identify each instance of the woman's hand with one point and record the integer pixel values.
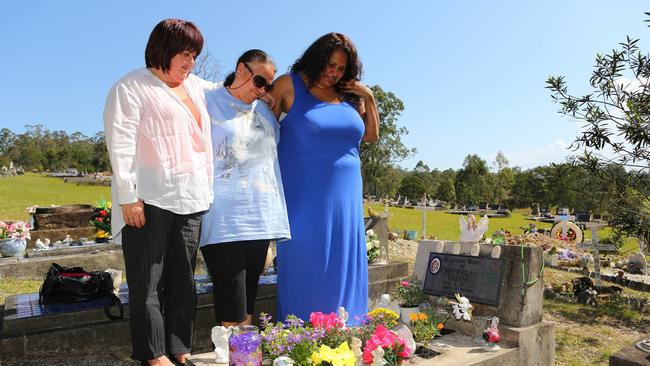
(133, 214)
(356, 87)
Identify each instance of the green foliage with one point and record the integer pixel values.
(409, 293)
(472, 181)
(615, 116)
(378, 157)
(412, 186)
(39, 148)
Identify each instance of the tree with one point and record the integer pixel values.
(472, 180)
(615, 116)
(504, 180)
(206, 67)
(412, 187)
(378, 156)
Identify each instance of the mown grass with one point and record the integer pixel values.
(10, 286)
(446, 226)
(19, 192)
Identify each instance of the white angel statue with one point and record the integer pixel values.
(470, 231)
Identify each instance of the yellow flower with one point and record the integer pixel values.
(341, 356)
(108, 205)
(101, 234)
(388, 316)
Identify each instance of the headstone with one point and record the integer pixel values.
(477, 278)
(521, 287)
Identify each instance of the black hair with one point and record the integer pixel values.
(313, 61)
(247, 57)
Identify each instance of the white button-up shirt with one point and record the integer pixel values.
(158, 151)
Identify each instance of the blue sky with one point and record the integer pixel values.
(471, 73)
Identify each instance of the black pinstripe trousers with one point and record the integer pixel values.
(160, 259)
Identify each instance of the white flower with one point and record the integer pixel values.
(370, 232)
(462, 309)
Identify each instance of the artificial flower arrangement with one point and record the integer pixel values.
(327, 341)
(409, 294)
(461, 308)
(16, 230)
(101, 220)
(373, 246)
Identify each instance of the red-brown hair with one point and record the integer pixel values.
(169, 38)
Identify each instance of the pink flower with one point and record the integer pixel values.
(325, 321)
(387, 340)
(405, 283)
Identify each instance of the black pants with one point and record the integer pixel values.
(160, 259)
(235, 268)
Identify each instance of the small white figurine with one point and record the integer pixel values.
(283, 361)
(343, 316)
(40, 245)
(378, 357)
(355, 347)
(220, 337)
(462, 309)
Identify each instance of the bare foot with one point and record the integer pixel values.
(160, 361)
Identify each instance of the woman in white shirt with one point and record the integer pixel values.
(248, 209)
(158, 138)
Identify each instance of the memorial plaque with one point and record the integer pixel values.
(477, 278)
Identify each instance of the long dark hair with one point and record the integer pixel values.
(249, 56)
(313, 61)
(169, 38)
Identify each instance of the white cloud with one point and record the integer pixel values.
(554, 152)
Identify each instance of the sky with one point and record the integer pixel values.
(471, 74)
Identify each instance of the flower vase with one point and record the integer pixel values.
(406, 311)
(13, 247)
(245, 346)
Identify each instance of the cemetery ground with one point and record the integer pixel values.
(585, 335)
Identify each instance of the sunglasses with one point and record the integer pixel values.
(258, 80)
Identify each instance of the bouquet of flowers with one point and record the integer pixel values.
(101, 219)
(289, 338)
(409, 294)
(382, 316)
(19, 230)
(340, 356)
(386, 344)
(372, 246)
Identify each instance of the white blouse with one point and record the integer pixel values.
(158, 152)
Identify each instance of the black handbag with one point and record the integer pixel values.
(74, 284)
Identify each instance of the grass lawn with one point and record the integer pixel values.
(19, 192)
(446, 226)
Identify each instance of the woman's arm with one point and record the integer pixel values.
(367, 108)
(282, 94)
(121, 119)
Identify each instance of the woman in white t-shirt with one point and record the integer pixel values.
(248, 210)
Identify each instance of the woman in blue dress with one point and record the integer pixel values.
(328, 113)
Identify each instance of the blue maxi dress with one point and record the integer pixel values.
(324, 265)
